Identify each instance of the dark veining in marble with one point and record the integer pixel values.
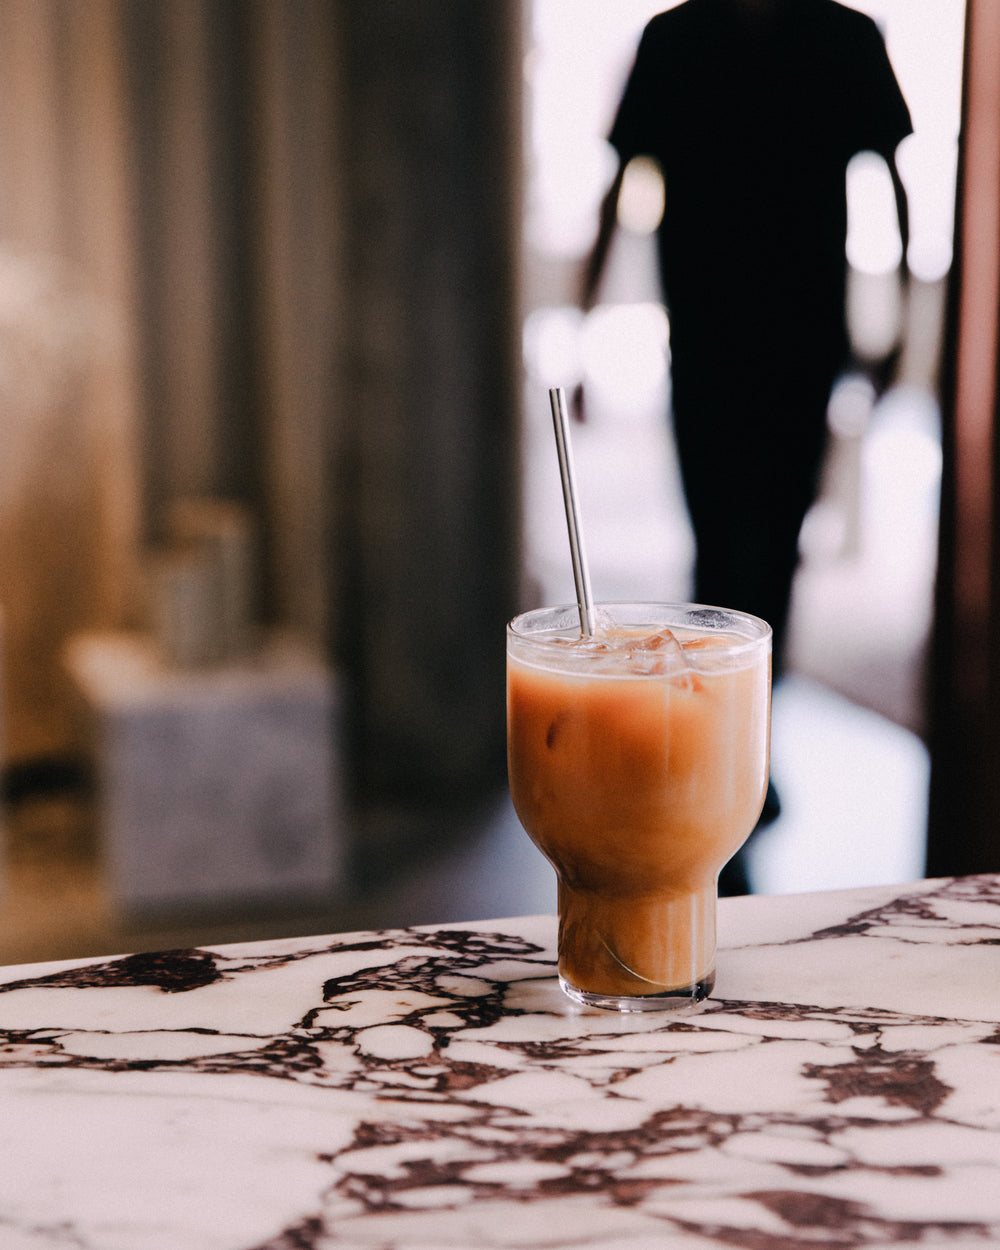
(174, 972)
(845, 1223)
(919, 908)
(304, 1236)
(901, 1080)
(438, 1153)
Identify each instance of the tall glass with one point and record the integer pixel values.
(638, 763)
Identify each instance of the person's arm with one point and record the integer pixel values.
(593, 267)
(883, 372)
(902, 212)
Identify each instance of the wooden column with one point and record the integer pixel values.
(429, 394)
(964, 825)
(178, 73)
(301, 304)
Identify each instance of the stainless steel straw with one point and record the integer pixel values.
(581, 576)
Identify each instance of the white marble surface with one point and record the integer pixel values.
(432, 1088)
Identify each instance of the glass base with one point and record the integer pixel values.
(687, 998)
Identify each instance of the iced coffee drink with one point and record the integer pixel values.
(638, 762)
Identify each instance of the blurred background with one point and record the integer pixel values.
(283, 284)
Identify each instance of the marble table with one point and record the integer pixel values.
(432, 1088)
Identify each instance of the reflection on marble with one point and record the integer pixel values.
(432, 1088)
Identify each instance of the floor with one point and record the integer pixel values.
(852, 786)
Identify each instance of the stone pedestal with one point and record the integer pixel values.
(218, 785)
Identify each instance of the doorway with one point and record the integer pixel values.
(848, 750)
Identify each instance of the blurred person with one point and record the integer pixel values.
(753, 110)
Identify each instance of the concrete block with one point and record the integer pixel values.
(218, 785)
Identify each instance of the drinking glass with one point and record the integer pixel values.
(638, 762)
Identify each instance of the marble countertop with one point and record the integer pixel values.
(433, 1088)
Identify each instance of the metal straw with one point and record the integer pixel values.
(581, 577)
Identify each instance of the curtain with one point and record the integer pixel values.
(290, 232)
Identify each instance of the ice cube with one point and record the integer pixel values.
(663, 639)
(592, 643)
(604, 621)
(657, 653)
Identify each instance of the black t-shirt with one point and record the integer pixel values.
(753, 117)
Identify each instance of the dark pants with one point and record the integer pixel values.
(750, 429)
(750, 438)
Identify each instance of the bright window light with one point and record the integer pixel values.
(928, 164)
(873, 242)
(623, 351)
(641, 201)
(551, 344)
